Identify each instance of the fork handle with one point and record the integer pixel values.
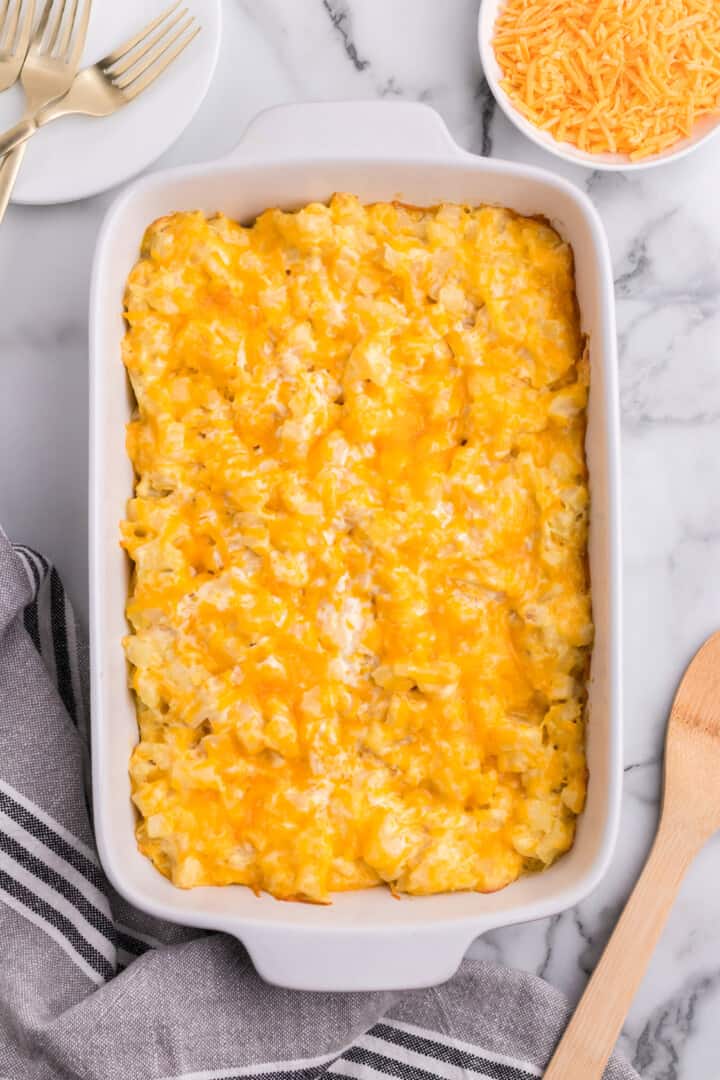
(591, 1035)
(9, 169)
(14, 136)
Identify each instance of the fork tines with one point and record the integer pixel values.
(139, 61)
(61, 29)
(14, 32)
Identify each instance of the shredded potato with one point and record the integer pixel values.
(360, 610)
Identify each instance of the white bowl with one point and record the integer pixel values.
(704, 129)
(366, 940)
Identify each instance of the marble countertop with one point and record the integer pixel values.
(664, 230)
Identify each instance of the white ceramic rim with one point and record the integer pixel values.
(312, 137)
(706, 128)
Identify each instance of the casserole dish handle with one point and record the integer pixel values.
(349, 960)
(347, 129)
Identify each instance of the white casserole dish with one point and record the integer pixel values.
(288, 157)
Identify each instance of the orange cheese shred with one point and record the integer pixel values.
(611, 76)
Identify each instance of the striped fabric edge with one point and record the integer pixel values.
(26, 898)
(37, 613)
(50, 876)
(132, 944)
(36, 860)
(50, 622)
(47, 919)
(140, 937)
(53, 879)
(79, 690)
(37, 821)
(423, 1053)
(389, 1049)
(51, 873)
(30, 613)
(299, 1069)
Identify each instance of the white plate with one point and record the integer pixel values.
(77, 157)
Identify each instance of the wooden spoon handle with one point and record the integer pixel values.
(592, 1032)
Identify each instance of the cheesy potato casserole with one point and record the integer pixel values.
(360, 609)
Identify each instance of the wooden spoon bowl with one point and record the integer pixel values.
(689, 816)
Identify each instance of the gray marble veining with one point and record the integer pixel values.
(664, 230)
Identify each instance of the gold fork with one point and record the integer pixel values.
(117, 79)
(15, 29)
(49, 69)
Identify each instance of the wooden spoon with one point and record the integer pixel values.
(690, 815)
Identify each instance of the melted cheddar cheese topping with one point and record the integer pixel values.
(360, 610)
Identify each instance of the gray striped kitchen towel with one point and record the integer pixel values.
(92, 989)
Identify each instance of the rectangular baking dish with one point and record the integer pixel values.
(288, 157)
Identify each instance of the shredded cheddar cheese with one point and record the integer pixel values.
(611, 76)
(360, 610)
